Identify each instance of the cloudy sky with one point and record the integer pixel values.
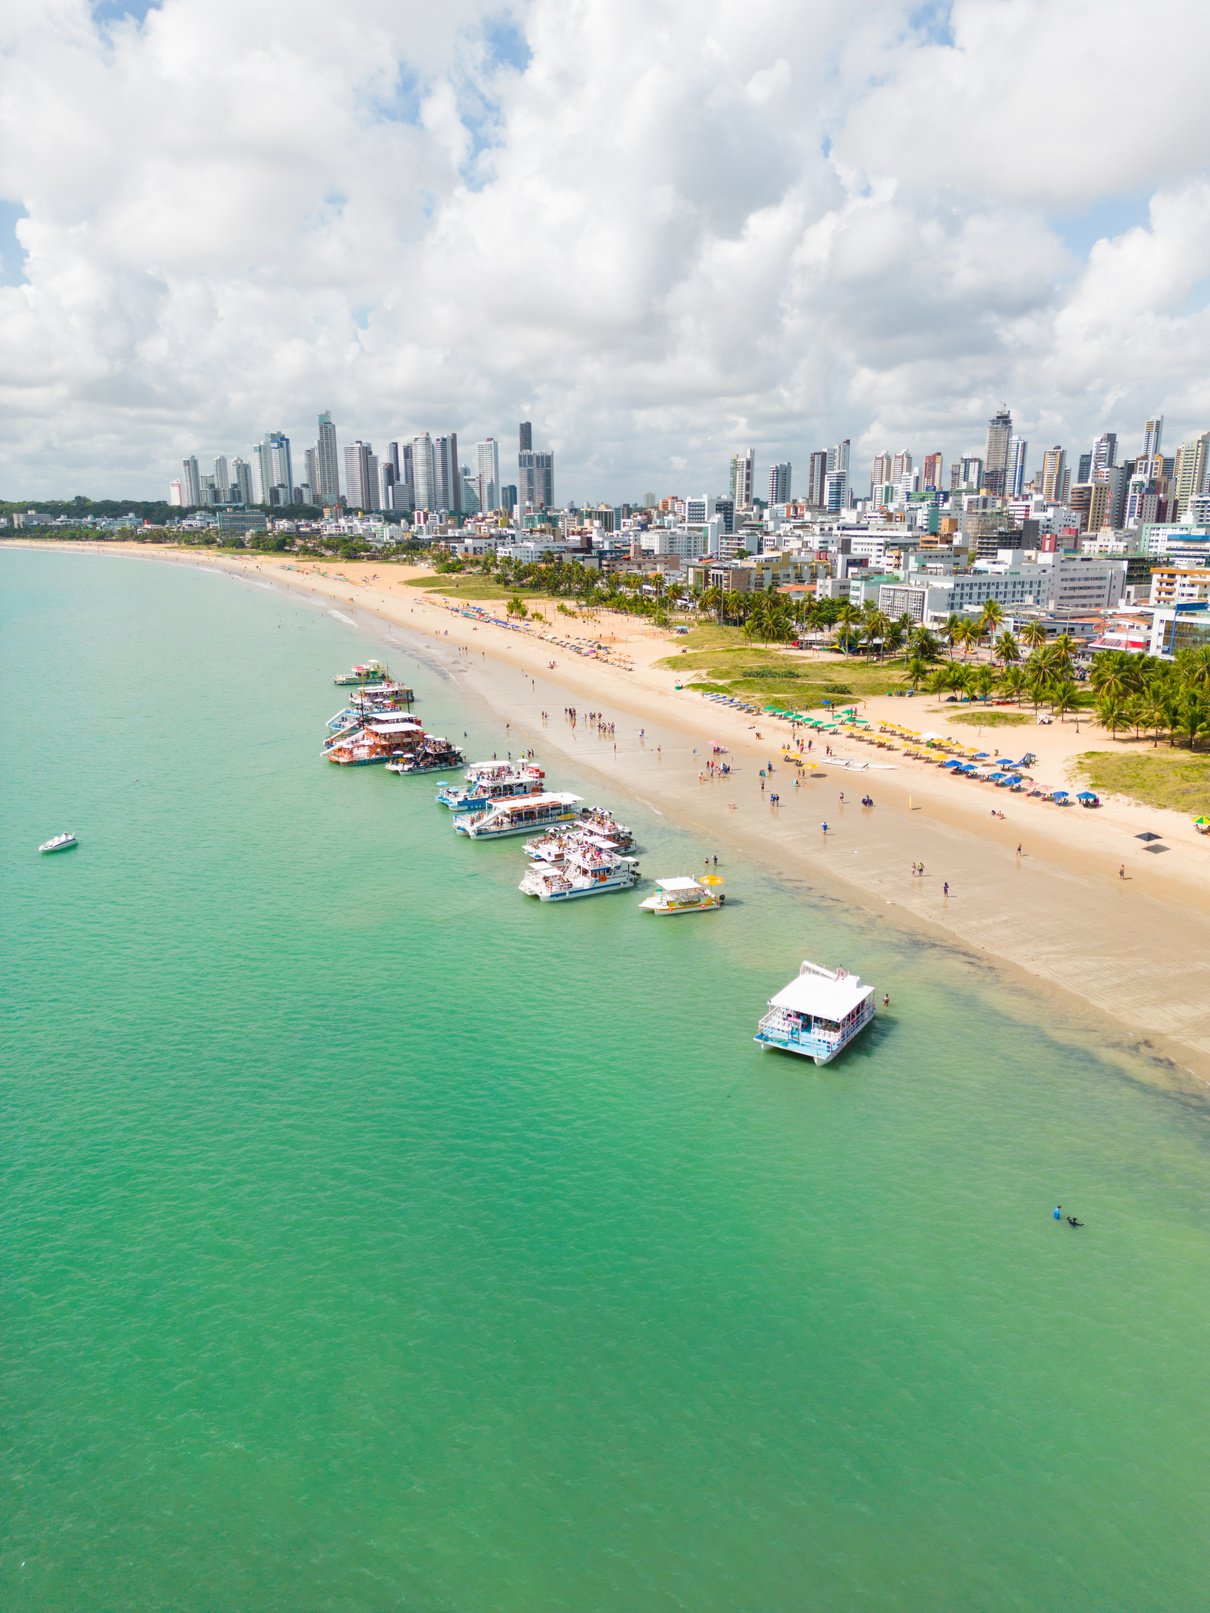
(662, 229)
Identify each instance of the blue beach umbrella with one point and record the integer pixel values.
(1086, 795)
(1059, 794)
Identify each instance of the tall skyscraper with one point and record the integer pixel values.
(487, 473)
(1104, 454)
(279, 468)
(241, 481)
(880, 474)
(191, 482)
(836, 496)
(222, 480)
(1084, 468)
(1018, 450)
(311, 473)
(817, 479)
(262, 474)
(901, 466)
(779, 483)
(525, 438)
(327, 483)
(995, 459)
(933, 472)
(360, 476)
(535, 480)
(1189, 477)
(449, 478)
(1153, 432)
(424, 472)
(405, 491)
(1054, 468)
(743, 477)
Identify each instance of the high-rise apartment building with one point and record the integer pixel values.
(191, 482)
(311, 474)
(817, 479)
(279, 469)
(1017, 452)
(1084, 468)
(1153, 431)
(535, 480)
(487, 473)
(222, 480)
(836, 485)
(327, 483)
(933, 470)
(779, 483)
(1054, 474)
(262, 474)
(1104, 454)
(880, 473)
(1189, 478)
(995, 459)
(361, 478)
(449, 479)
(743, 476)
(424, 473)
(241, 481)
(525, 438)
(901, 466)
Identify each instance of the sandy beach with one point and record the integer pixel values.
(1132, 954)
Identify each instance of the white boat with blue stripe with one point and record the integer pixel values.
(524, 815)
(492, 781)
(818, 1014)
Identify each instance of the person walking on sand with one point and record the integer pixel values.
(1018, 848)
(1122, 871)
(945, 890)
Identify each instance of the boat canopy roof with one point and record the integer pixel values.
(830, 993)
(393, 725)
(681, 884)
(526, 803)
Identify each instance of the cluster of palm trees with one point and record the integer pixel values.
(1143, 693)
(1129, 691)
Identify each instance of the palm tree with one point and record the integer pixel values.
(925, 644)
(966, 634)
(917, 669)
(877, 627)
(1063, 696)
(1034, 635)
(991, 618)
(1006, 650)
(1013, 683)
(983, 681)
(952, 631)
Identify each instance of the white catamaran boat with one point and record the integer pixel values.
(521, 816)
(492, 781)
(433, 755)
(682, 896)
(63, 842)
(592, 866)
(818, 1013)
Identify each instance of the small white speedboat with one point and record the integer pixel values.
(63, 842)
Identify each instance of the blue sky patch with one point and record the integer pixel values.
(1110, 216)
(506, 44)
(119, 10)
(12, 259)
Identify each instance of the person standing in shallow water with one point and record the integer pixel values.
(1058, 1212)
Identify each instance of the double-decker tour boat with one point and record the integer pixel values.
(818, 1013)
(492, 781)
(432, 755)
(382, 739)
(591, 866)
(523, 815)
(363, 672)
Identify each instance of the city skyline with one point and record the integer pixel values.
(773, 240)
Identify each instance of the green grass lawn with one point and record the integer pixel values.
(726, 660)
(978, 716)
(1163, 777)
(459, 587)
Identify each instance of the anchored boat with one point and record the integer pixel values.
(433, 755)
(517, 817)
(382, 739)
(818, 1013)
(682, 896)
(491, 781)
(591, 866)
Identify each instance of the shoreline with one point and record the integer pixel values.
(1135, 951)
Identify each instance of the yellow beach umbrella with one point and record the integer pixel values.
(711, 879)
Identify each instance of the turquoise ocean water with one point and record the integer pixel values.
(377, 1239)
